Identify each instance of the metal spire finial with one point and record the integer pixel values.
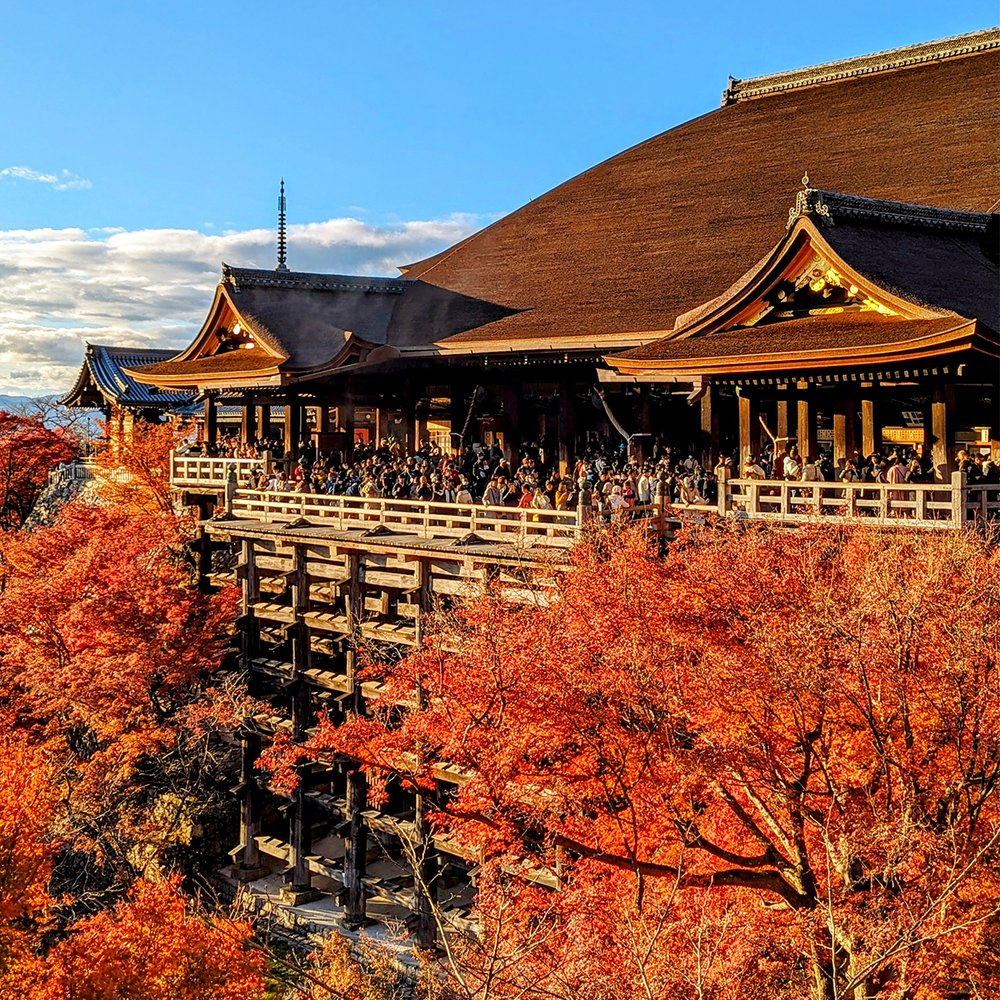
(282, 241)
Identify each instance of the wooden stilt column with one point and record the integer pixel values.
(299, 887)
(806, 422)
(249, 866)
(356, 849)
(300, 832)
(425, 877)
(942, 430)
(211, 422)
(425, 867)
(356, 836)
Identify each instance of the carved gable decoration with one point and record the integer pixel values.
(803, 276)
(819, 290)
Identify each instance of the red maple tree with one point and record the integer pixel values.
(28, 452)
(153, 946)
(766, 764)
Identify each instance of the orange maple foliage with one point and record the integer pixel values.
(27, 808)
(152, 946)
(138, 477)
(100, 625)
(28, 452)
(766, 764)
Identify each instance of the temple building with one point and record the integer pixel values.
(870, 315)
(106, 384)
(696, 289)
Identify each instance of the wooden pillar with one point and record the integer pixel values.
(293, 428)
(642, 446)
(746, 449)
(458, 409)
(566, 428)
(345, 424)
(871, 436)
(710, 426)
(248, 423)
(850, 426)
(840, 422)
(211, 422)
(782, 419)
(264, 422)
(806, 423)
(942, 430)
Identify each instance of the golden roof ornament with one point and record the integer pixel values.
(809, 201)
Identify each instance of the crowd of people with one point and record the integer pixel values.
(604, 476)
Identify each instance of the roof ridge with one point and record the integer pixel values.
(831, 205)
(875, 62)
(256, 277)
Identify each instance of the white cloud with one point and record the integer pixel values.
(60, 288)
(64, 180)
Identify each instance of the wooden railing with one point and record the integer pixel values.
(212, 473)
(512, 525)
(925, 505)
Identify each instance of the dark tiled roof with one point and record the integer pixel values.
(103, 373)
(945, 268)
(305, 316)
(651, 233)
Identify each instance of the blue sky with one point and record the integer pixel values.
(138, 142)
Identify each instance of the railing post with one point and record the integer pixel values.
(266, 456)
(920, 504)
(958, 486)
(725, 497)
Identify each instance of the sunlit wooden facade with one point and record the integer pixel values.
(516, 333)
(668, 288)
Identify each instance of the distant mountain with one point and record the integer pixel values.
(83, 423)
(22, 404)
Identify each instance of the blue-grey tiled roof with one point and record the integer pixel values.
(103, 373)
